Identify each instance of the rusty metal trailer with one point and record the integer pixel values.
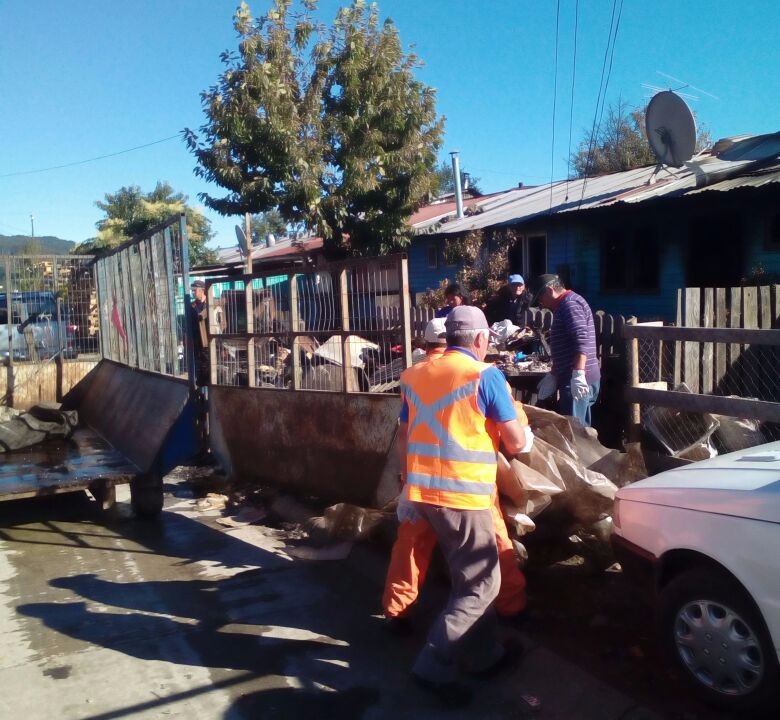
(134, 426)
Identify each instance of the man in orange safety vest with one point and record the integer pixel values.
(455, 411)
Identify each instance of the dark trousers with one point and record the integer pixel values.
(467, 539)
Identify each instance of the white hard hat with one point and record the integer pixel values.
(435, 332)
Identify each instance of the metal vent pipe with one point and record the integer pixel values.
(456, 179)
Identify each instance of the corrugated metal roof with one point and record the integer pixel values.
(703, 172)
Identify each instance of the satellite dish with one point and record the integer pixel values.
(241, 237)
(671, 129)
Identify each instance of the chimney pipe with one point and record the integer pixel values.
(456, 178)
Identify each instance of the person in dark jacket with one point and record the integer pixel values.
(454, 294)
(510, 302)
(198, 321)
(576, 374)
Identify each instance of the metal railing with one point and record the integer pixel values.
(143, 296)
(342, 328)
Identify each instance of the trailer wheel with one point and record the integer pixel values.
(146, 497)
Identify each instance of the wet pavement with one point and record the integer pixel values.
(107, 617)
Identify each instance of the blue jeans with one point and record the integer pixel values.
(578, 408)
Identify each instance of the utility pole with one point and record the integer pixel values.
(32, 225)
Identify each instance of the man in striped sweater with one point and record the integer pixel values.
(575, 368)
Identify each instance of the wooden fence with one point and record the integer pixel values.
(716, 366)
(609, 328)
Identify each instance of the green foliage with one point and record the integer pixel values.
(263, 224)
(130, 212)
(621, 144)
(485, 259)
(325, 124)
(445, 180)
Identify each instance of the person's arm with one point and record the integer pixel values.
(513, 436)
(402, 444)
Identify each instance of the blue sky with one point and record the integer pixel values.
(89, 78)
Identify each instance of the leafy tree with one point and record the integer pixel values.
(326, 124)
(263, 224)
(620, 144)
(129, 212)
(445, 179)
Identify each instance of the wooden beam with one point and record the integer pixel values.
(715, 335)
(718, 404)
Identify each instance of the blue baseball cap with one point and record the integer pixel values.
(516, 280)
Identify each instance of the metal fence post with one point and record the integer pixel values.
(9, 387)
(294, 328)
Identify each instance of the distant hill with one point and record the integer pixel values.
(24, 244)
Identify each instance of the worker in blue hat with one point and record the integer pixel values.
(511, 302)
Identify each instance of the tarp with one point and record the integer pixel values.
(41, 422)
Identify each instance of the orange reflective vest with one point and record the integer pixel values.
(451, 445)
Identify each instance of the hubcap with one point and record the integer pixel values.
(718, 647)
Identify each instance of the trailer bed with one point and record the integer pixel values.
(83, 462)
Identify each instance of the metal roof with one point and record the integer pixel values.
(742, 162)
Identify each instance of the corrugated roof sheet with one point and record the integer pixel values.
(703, 172)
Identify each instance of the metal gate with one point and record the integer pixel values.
(143, 291)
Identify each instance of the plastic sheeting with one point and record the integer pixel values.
(38, 424)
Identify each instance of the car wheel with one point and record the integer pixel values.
(717, 638)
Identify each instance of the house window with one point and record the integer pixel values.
(528, 256)
(536, 253)
(630, 261)
(773, 233)
(432, 254)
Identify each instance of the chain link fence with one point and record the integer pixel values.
(340, 329)
(740, 366)
(48, 326)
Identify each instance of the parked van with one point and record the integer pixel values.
(38, 327)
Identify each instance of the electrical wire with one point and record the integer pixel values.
(602, 94)
(89, 160)
(573, 81)
(555, 98)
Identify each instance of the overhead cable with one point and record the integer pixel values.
(89, 160)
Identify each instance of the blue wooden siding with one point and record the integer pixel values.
(421, 277)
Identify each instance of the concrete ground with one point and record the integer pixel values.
(107, 617)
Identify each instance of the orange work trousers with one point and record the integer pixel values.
(411, 558)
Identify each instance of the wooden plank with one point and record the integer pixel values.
(708, 318)
(607, 335)
(765, 309)
(699, 335)
(598, 327)
(735, 321)
(634, 409)
(691, 370)
(677, 379)
(734, 407)
(720, 349)
(403, 284)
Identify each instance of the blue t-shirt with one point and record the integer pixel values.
(493, 398)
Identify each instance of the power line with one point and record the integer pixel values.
(555, 98)
(600, 98)
(89, 160)
(573, 78)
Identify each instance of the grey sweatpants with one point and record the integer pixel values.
(468, 540)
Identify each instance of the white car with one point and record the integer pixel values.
(707, 537)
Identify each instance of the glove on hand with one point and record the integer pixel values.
(406, 512)
(529, 439)
(547, 387)
(579, 385)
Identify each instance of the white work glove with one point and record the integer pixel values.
(547, 387)
(579, 385)
(529, 440)
(406, 512)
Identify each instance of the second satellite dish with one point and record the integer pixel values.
(671, 129)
